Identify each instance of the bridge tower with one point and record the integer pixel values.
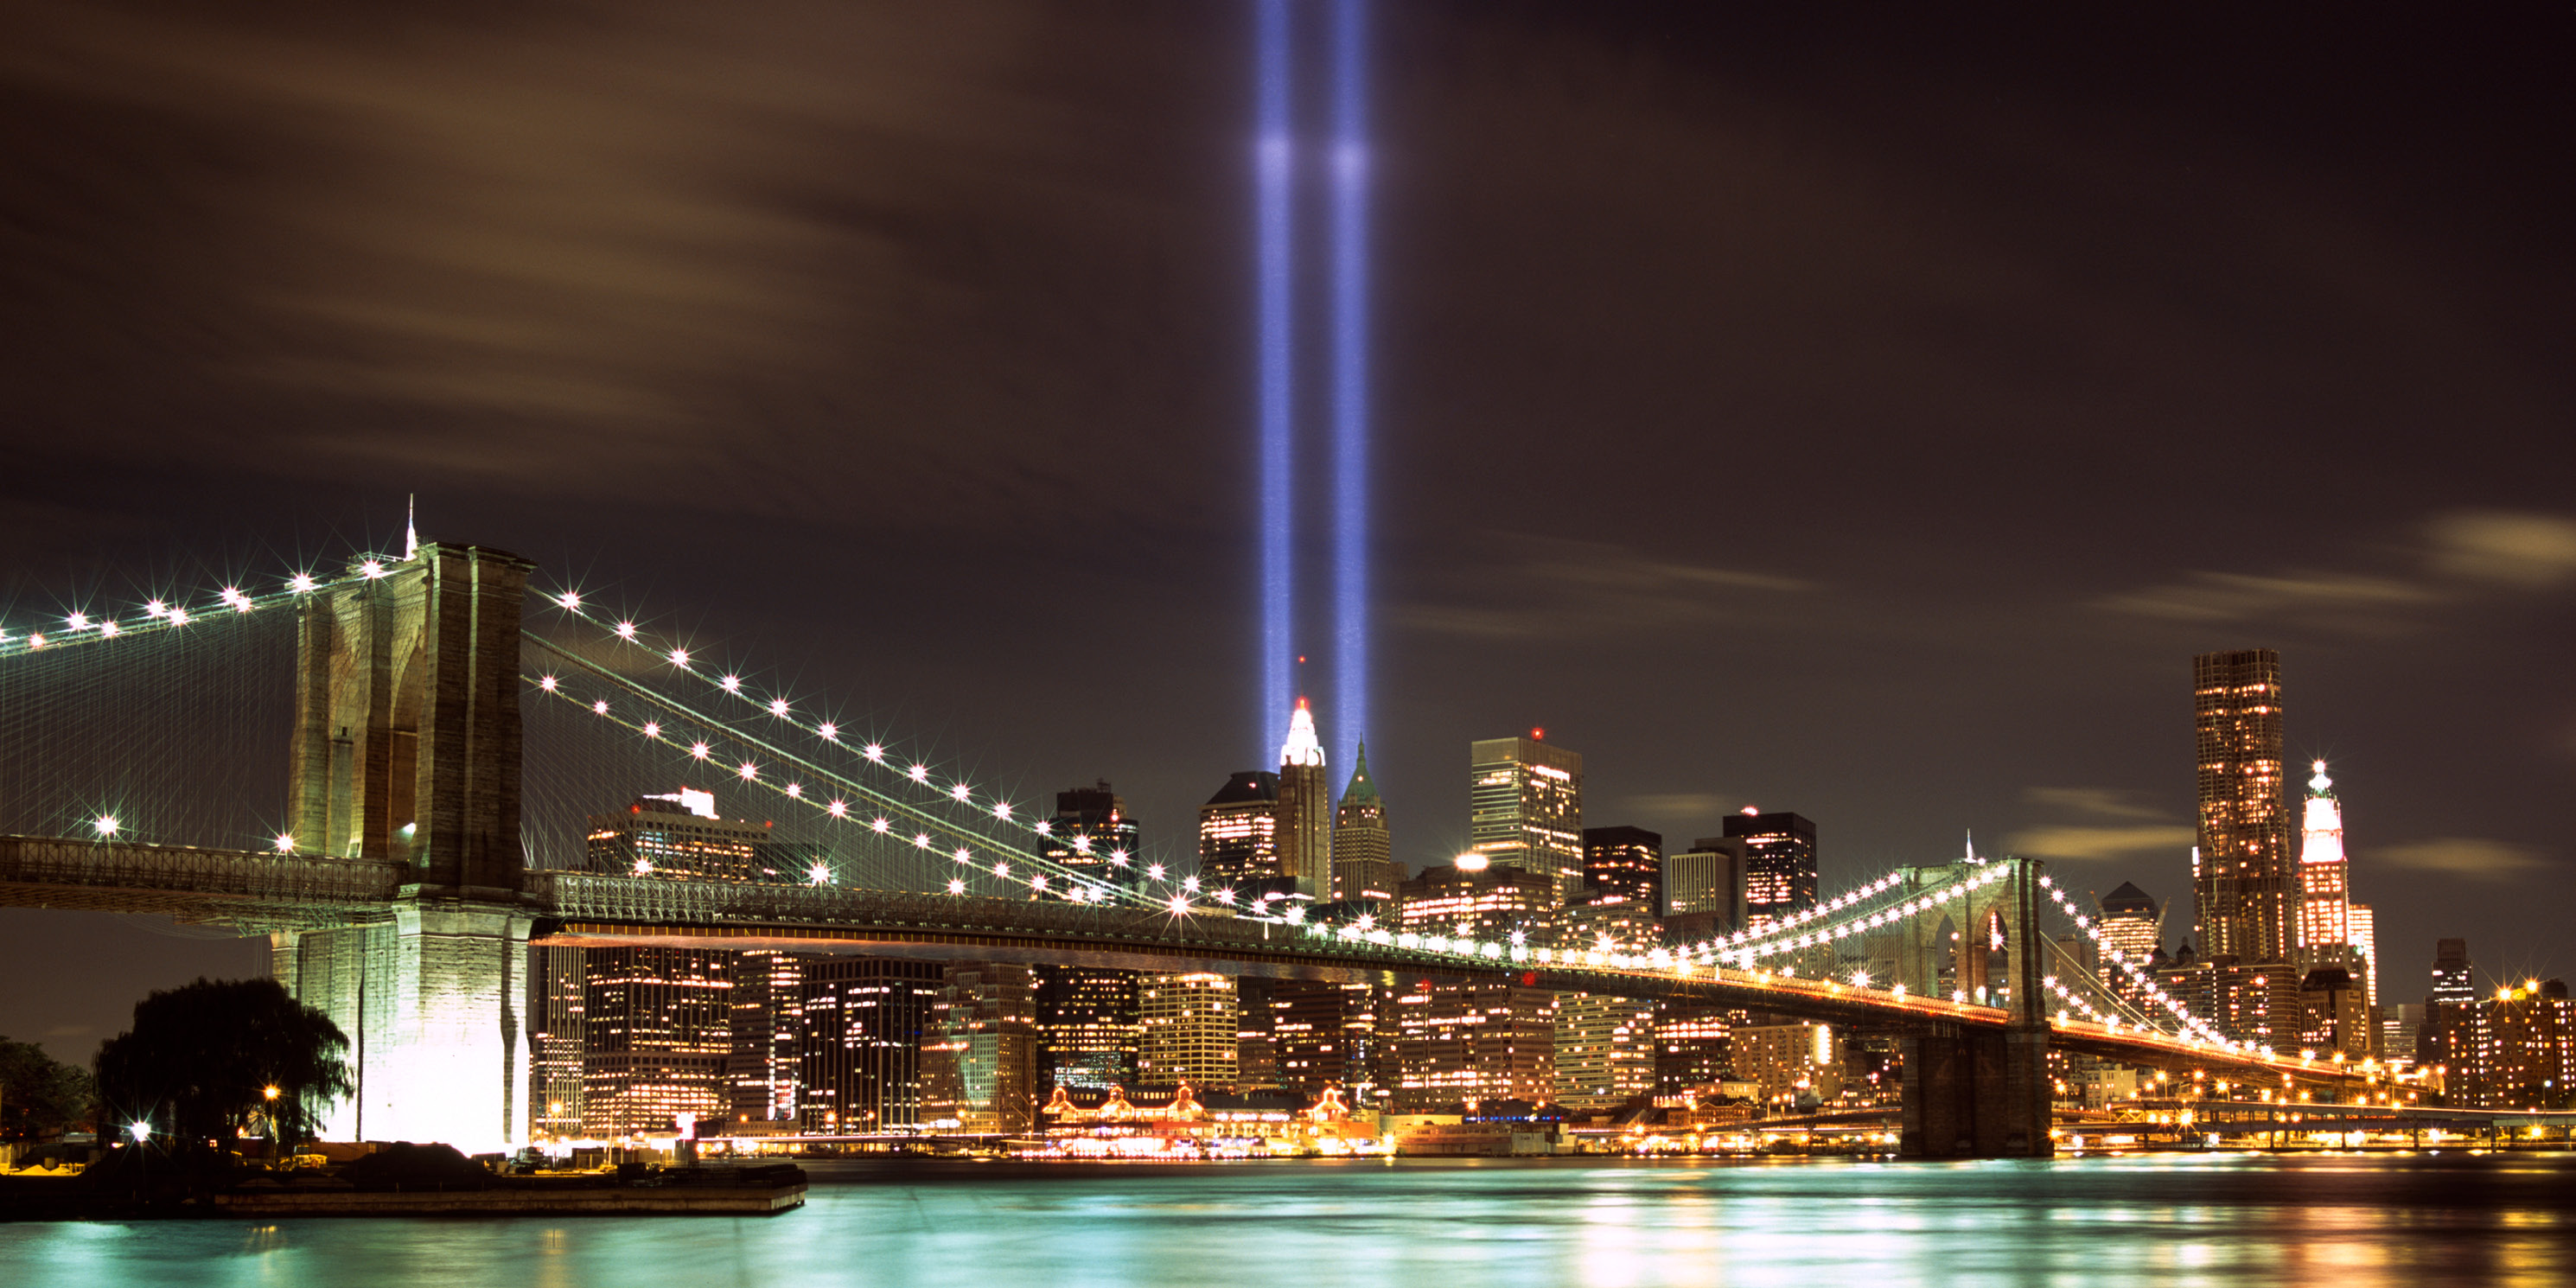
(1977, 1092)
(406, 747)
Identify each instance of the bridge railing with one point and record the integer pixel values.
(191, 883)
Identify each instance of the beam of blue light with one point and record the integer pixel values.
(1350, 378)
(1273, 150)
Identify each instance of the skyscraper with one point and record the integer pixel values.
(766, 1068)
(2325, 890)
(1330, 1033)
(1477, 900)
(1779, 864)
(1704, 888)
(2133, 929)
(1239, 831)
(2241, 882)
(1086, 1026)
(864, 1023)
(2440, 1040)
(1627, 862)
(1189, 1027)
(1525, 808)
(979, 1059)
(1363, 849)
(660, 1035)
(1487, 1039)
(1092, 832)
(1305, 808)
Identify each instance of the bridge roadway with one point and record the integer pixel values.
(259, 893)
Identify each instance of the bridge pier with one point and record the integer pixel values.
(1976, 1093)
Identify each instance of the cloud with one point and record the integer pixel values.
(2098, 802)
(2523, 550)
(2098, 823)
(2476, 858)
(1564, 589)
(1679, 806)
(2100, 842)
(2456, 555)
(2237, 597)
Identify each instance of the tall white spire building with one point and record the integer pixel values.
(1305, 808)
(2325, 884)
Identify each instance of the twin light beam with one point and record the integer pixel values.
(1275, 157)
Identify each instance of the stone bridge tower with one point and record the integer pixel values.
(406, 748)
(1974, 1091)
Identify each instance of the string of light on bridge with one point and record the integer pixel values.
(160, 615)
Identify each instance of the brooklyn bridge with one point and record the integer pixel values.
(441, 721)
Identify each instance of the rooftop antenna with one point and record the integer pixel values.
(1972, 846)
(411, 532)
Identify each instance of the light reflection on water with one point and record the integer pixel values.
(2231, 1220)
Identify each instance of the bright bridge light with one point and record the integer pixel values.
(300, 582)
(819, 874)
(749, 771)
(918, 773)
(841, 809)
(285, 843)
(778, 706)
(77, 621)
(626, 630)
(652, 728)
(178, 617)
(680, 658)
(961, 791)
(108, 629)
(796, 791)
(105, 824)
(569, 599)
(372, 568)
(699, 750)
(732, 684)
(547, 683)
(1001, 809)
(830, 731)
(600, 707)
(956, 886)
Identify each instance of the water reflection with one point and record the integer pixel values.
(2227, 1220)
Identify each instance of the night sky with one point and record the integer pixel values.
(1863, 413)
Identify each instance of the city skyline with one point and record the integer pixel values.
(1963, 381)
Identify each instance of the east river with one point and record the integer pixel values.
(2350, 1221)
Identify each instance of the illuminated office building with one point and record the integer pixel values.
(1188, 1030)
(1305, 826)
(1364, 864)
(766, 1069)
(1478, 1041)
(2325, 884)
(1694, 1045)
(1605, 1050)
(1475, 900)
(2242, 884)
(1525, 808)
(1779, 864)
(658, 1026)
(979, 1057)
(2363, 927)
(1628, 862)
(2132, 927)
(1704, 888)
(2516, 1049)
(1239, 832)
(680, 836)
(1093, 833)
(863, 1024)
(2455, 991)
(1333, 1034)
(1087, 1026)
(657, 1038)
(555, 1046)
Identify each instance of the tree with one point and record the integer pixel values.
(200, 1060)
(40, 1095)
